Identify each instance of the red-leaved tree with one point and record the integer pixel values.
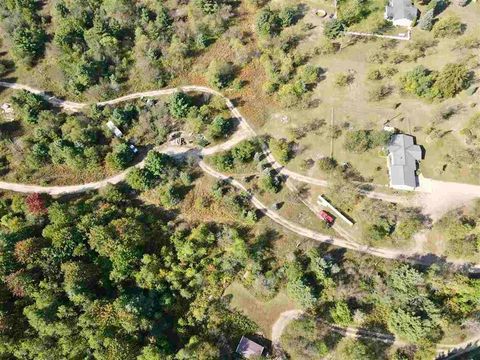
(36, 204)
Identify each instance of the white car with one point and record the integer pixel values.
(134, 149)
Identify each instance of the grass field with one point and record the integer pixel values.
(352, 109)
(263, 313)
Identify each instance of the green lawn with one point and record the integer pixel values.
(263, 313)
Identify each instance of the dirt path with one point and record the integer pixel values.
(443, 350)
(283, 320)
(244, 131)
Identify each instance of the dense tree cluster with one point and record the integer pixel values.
(240, 154)
(102, 44)
(103, 278)
(25, 28)
(429, 84)
(413, 305)
(359, 141)
(80, 141)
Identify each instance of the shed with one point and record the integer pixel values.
(248, 348)
(403, 155)
(401, 12)
(114, 129)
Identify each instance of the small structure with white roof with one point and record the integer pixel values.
(401, 12)
(114, 129)
(248, 348)
(403, 155)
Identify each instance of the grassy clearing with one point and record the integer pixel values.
(353, 110)
(263, 313)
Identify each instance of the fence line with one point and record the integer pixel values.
(395, 37)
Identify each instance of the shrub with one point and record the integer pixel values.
(357, 141)
(281, 150)
(292, 94)
(269, 182)
(288, 16)
(379, 92)
(426, 21)
(120, 157)
(223, 161)
(220, 73)
(449, 26)
(36, 204)
(28, 106)
(268, 23)
(420, 81)
(362, 140)
(219, 128)
(340, 314)
(327, 164)
(180, 103)
(245, 151)
(343, 79)
(452, 79)
(139, 179)
(333, 28)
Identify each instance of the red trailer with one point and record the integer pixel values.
(327, 217)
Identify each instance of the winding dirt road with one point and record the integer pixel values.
(444, 351)
(244, 131)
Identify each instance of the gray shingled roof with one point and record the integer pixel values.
(248, 348)
(401, 9)
(403, 157)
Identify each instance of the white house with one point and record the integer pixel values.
(403, 155)
(401, 12)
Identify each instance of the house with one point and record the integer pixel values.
(401, 12)
(403, 155)
(114, 129)
(248, 348)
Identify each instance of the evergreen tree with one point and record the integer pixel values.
(426, 21)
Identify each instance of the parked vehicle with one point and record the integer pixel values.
(133, 148)
(327, 217)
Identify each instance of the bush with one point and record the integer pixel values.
(292, 94)
(139, 179)
(120, 158)
(420, 81)
(426, 21)
(220, 73)
(362, 140)
(28, 106)
(340, 314)
(288, 16)
(269, 182)
(245, 151)
(343, 79)
(429, 84)
(449, 26)
(219, 128)
(281, 150)
(327, 164)
(268, 23)
(452, 79)
(180, 104)
(333, 28)
(379, 92)
(223, 161)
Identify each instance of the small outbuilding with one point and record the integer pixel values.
(248, 348)
(114, 129)
(403, 155)
(401, 12)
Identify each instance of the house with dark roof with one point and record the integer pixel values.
(403, 155)
(248, 348)
(401, 12)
